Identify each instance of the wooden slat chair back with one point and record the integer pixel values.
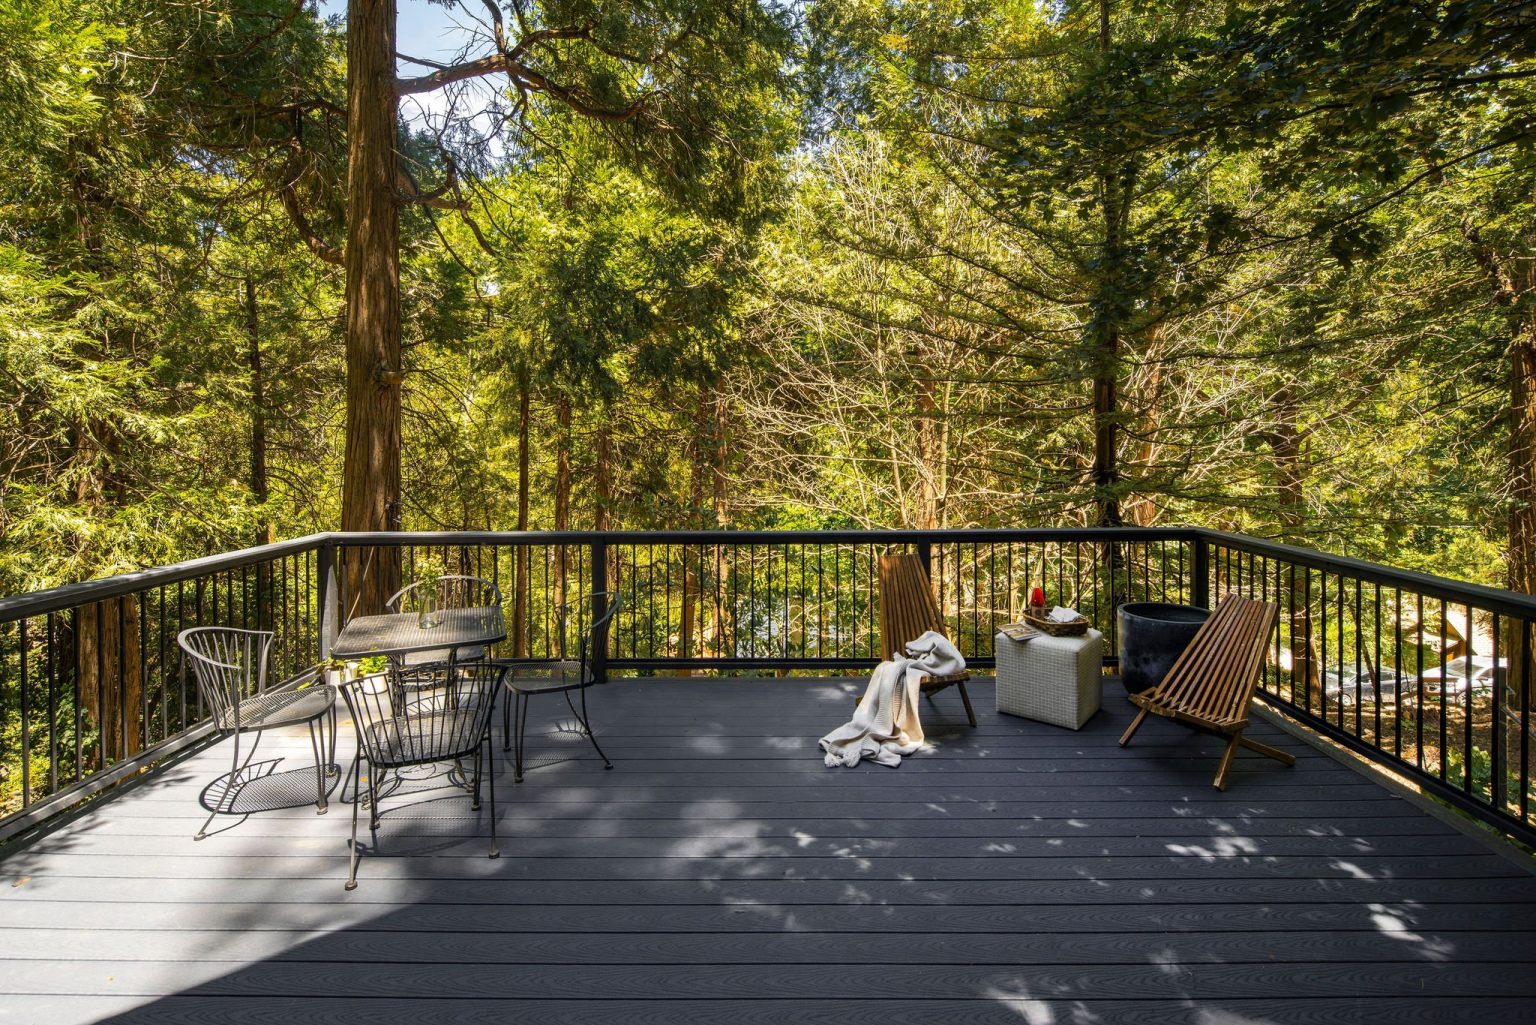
(1211, 685)
(907, 611)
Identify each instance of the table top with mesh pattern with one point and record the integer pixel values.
(399, 633)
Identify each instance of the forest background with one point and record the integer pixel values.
(1268, 267)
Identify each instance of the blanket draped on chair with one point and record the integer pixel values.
(885, 726)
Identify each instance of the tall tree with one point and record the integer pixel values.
(685, 93)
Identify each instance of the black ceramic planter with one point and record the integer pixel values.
(1152, 636)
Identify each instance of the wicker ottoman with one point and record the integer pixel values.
(1054, 679)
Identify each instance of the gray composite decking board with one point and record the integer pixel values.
(1169, 978)
(1388, 833)
(1007, 1005)
(831, 864)
(798, 947)
(1342, 816)
(791, 784)
(807, 845)
(1421, 926)
(721, 873)
(496, 889)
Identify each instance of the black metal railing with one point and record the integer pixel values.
(716, 600)
(91, 688)
(1429, 677)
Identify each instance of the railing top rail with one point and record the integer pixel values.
(1492, 599)
(898, 536)
(67, 596)
(72, 595)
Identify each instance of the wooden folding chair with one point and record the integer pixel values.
(907, 611)
(1210, 686)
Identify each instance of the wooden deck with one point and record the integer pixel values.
(1015, 873)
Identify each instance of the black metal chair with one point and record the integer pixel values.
(559, 675)
(420, 670)
(230, 666)
(450, 726)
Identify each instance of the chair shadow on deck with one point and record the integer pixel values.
(260, 787)
(1014, 873)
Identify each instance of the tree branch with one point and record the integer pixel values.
(510, 62)
(410, 192)
(288, 195)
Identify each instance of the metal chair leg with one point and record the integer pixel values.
(356, 800)
(321, 805)
(352, 771)
(586, 725)
(373, 799)
(490, 786)
(331, 768)
(506, 725)
(474, 790)
(522, 728)
(236, 767)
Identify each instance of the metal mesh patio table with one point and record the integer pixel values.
(400, 633)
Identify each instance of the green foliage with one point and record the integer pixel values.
(1261, 223)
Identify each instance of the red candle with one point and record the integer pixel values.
(1037, 598)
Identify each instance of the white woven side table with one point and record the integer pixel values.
(1053, 679)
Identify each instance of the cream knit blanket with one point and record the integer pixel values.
(885, 726)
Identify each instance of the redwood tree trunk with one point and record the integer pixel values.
(259, 489)
(1106, 474)
(562, 487)
(1287, 443)
(1105, 330)
(721, 444)
(1522, 459)
(720, 623)
(1141, 509)
(371, 472)
(602, 514)
(1512, 275)
(931, 456)
(1522, 483)
(520, 575)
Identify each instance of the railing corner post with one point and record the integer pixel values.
(1201, 589)
(329, 600)
(599, 587)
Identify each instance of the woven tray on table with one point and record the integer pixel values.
(1076, 628)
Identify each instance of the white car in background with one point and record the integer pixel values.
(1476, 673)
(1343, 683)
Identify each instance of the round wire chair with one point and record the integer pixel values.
(449, 726)
(230, 666)
(559, 676)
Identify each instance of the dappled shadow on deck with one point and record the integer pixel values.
(1014, 873)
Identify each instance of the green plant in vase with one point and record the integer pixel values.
(332, 671)
(371, 673)
(429, 575)
(372, 665)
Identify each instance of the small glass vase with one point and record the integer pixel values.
(427, 615)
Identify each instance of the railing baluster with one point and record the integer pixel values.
(1496, 739)
(24, 684)
(1525, 719)
(49, 667)
(1467, 748)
